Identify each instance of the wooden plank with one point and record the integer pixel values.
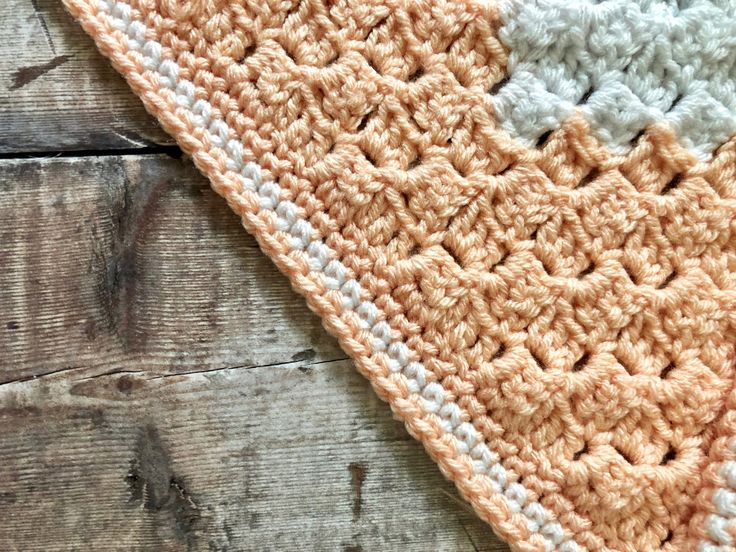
(162, 388)
(58, 92)
(133, 259)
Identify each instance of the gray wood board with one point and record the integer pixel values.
(57, 92)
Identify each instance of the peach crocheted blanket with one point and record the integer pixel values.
(518, 217)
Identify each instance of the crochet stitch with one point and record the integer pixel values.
(519, 219)
(627, 64)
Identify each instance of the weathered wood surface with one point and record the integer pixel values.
(162, 387)
(57, 92)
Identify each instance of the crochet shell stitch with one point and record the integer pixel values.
(517, 217)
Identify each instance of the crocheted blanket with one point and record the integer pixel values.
(518, 217)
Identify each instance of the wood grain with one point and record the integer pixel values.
(162, 387)
(57, 92)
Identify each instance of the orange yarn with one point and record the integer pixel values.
(578, 306)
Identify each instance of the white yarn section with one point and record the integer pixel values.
(625, 64)
(323, 261)
(721, 525)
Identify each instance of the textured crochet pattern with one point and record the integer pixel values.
(626, 64)
(519, 219)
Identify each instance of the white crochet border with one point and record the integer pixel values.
(721, 525)
(322, 260)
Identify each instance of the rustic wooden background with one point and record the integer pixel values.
(161, 386)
